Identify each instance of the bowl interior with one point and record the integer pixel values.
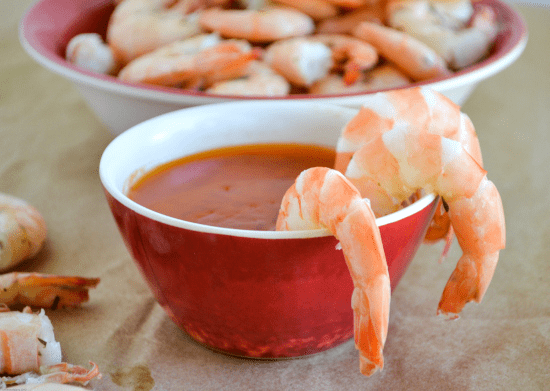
(48, 26)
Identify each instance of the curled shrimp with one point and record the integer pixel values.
(44, 290)
(448, 35)
(201, 60)
(22, 231)
(395, 164)
(382, 77)
(413, 57)
(137, 27)
(345, 23)
(316, 9)
(352, 54)
(30, 354)
(258, 80)
(324, 198)
(262, 26)
(88, 51)
(418, 108)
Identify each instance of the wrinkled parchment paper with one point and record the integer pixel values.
(50, 146)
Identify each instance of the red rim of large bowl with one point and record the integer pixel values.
(44, 20)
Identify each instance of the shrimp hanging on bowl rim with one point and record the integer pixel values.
(323, 198)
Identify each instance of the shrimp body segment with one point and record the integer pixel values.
(324, 198)
(262, 26)
(399, 162)
(44, 290)
(90, 52)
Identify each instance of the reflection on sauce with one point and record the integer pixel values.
(234, 187)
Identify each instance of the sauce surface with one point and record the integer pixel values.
(234, 187)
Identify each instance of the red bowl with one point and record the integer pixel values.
(247, 293)
(48, 25)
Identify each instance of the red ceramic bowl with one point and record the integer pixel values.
(248, 293)
(48, 25)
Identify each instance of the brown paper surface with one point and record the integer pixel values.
(50, 147)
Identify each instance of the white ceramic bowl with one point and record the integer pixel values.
(45, 32)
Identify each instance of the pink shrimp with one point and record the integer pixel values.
(261, 26)
(413, 57)
(194, 61)
(316, 9)
(23, 231)
(395, 164)
(324, 198)
(382, 77)
(345, 23)
(29, 352)
(137, 27)
(44, 290)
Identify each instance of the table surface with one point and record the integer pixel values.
(50, 148)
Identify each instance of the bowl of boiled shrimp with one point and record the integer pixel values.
(197, 194)
(135, 59)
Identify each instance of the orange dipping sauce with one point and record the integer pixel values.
(233, 187)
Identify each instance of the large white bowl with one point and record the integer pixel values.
(48, 25)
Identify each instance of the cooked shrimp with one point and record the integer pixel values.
(352, 54)
(316, 9)
(44, 290)
(198, 60)
(259, 80)
(413, 57)
(301, 60)
(137, 27)
(88, 51)
(380, 78)
(397, 163)
(459, 45)
(262, 26)
(324, 198)
(22, 231)
(29, 352)
(344, 24)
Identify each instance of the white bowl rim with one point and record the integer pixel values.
(108, 182)
(469, 75)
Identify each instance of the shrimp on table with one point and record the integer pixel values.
(419, 109)
(259, 26)
(44, 290)
(324, 198)
(88, 51)
(29, 352)
(395, 164)
(258, 80)
(413, 57)
(137, 27)
(22, 231)
(201, 60)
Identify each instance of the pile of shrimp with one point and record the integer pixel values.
(281, 47)
(399, 143)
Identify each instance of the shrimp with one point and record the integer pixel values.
(459, 45)
(137, 27)
(300, 60)
(324, 198)
(354, 54)
(344, 24)
(382, 77)
(413, 57)
(29, 352)
(418, 108)
(259, 80)
(261, 26)
(201, 60)
(395, 164)
(22, 231)
(316, 9)
(44, 290)
(88, 51)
